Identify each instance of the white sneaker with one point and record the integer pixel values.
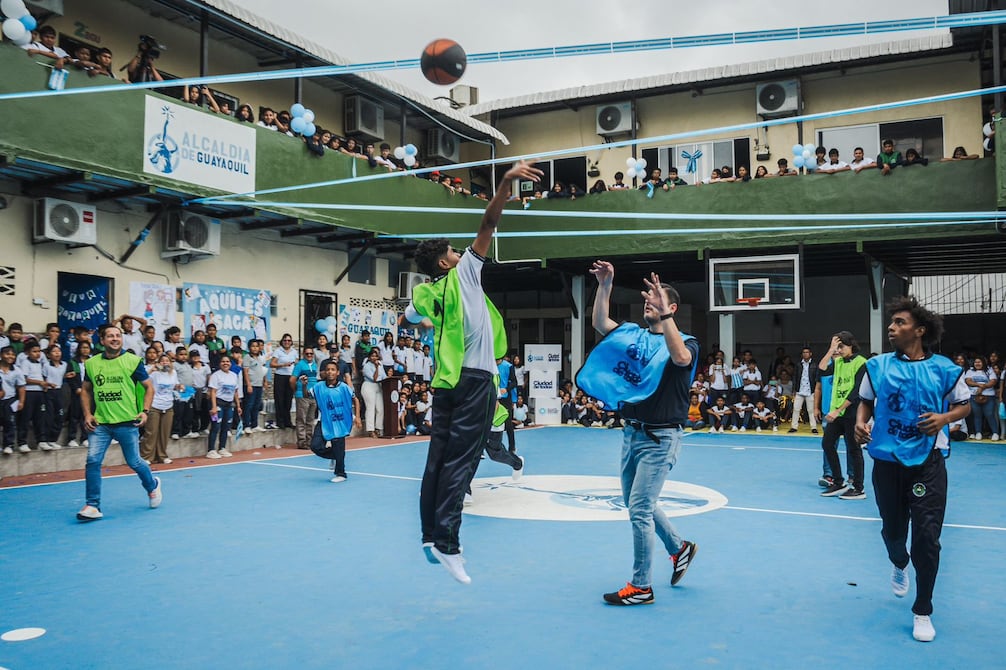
(84, 444)
(338, 479)
(44, 446)
(712, 429)
(976, 436)
(114, 442)
(995, 437)
(721, 429)
(8, 450)
(24, 448)
(757, 430)
(73, 443)
(519, 472)
(922, 630)
(155, 495)
(900, 582)
(205, 432)
(731, 428)
(775, 429)
(192, 434)
(743, 428)
(55, 445)
(167, 461)
(175, 436)
(212, 453)
(225, 453)
(456, 566)
(88, 513)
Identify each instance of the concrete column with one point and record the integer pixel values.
(577, 325)
(728, 341)
(878, 322)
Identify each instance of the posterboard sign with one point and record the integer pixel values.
(235, 311)
(184, 143)
(543, 357)
(543, 383)
(82, 301)
(548, 411)
(153, 302)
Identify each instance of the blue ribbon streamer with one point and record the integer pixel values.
(691, 158)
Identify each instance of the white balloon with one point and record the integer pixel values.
(409, 160)
(807, 155)
(630, 162)
(641, 161)
(809, 147)
(308, 116)
(399, 153)
(12, 9)
(631, 173)
(14, 30)
(25, 39)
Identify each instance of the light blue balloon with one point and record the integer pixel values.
(797, 149)
(798, 162)
(410, 150)
(320, 325)
(810, 165)
(810, 147)
(331, 321)
(309, 116)
(29, 22)
(640, 167)
(309, 130)
(297, 110)
(297, 124)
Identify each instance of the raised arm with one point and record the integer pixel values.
(605, 274)
(491, 217)
(656, 297)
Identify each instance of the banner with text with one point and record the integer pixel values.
(187, 144)
(155, 303)
(543, 383)
(548, 411)
(235, 311)
(82, 301)
(543, 357)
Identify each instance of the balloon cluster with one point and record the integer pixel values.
(636, 167)
(803, 157)
(327, 326)
(302, 122)
(18, 24)
(406, 154)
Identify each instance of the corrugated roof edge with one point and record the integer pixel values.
(279, 32)
(780, 65)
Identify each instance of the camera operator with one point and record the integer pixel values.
(141, 68)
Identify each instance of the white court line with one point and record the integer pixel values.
(350, 472)
(852, 518)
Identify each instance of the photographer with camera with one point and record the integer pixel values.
(141, 68)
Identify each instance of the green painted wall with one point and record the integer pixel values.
(104, 134)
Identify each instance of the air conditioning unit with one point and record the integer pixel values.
(66, 222)
(465, 95)
(408, 281)
(614, 118)
(778, 98)
(443, 144)
(364, 117)
(187, 233)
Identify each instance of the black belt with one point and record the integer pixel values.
(648, 428)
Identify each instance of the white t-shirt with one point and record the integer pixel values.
(287, 359)
(226, 385)
(832, 167)
(981, 377)
(134, 342)
(164, 389)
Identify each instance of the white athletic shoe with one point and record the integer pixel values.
(922, 630)
(89, 513)
(44, 446)
(456, 565)
(212, 453)
(712, 429)
(175, 436)
(84, 444)
(191, 433)
(8, 450)
(167, 461)
(519, 472)
(155, 495)
(225, 453)
(775, 429)
(721, 429)
(338, 479)
(24, 448)
(73, 443)
(55, 445)
(743, 428)
(995, 437)
(900, 582)
(757, 429)
(468, 499)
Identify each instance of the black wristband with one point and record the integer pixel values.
(665, 317)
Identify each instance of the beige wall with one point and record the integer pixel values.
(734, 105)
(247, 260)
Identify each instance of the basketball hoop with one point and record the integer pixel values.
(751, 302)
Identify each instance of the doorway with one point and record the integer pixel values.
(317, 306)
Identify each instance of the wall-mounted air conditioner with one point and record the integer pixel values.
(778, 98)
(187, 233)
(363, 117)
(614, 118)
(64, 221)
(409, 280)
(443, 144)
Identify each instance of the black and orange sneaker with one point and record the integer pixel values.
(630, 595)
(682, 560)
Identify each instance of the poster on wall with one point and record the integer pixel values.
(155, 303)
(543, 357)
(234, 311)
(82, 301)
(353, 320)
(183, 143)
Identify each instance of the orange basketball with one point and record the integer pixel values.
(443, 61)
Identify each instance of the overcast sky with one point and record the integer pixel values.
(393, 29)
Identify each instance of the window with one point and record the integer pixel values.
(396, 267)
(924, 135)
(364, 270)
(703, 157)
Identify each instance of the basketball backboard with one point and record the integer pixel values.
(754, 282)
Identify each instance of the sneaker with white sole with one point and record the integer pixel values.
(469, 499)
(84, 444)
(922, 628)
(995, 437)
(454, 564)
(212, 453)
(89, 513)
(73, 443)
(518, 472)
(8, 450)
(338, 479)
(834, 490)
(852, 493)
(191, 433)
(175, 436)
(114, 442)
(155, 495)
(630, 595)
(758, 429)
(55, 446)
(24, 448)
(167, 461)
(721, 429)
(900, 582)
(775, 429)
(682, 560)
(712, 429)
(44, 446)
(225, 453)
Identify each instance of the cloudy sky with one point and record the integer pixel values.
(393, 29)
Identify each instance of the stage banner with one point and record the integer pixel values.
(154, 302)
(82, 301)
(187, 144)
(543, 383)
(543, 357)
(235, 311)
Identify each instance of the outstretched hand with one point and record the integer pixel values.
(524, 170)
(654, 295)
(604, 272)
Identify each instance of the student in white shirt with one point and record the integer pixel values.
(225, 390)
(54, 373)
(162, 411)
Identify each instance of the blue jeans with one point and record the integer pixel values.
(645, 466)
(252, 406)
(225, 414)
(985, 416)
(97, 444)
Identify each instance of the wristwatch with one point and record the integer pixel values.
(665, 317)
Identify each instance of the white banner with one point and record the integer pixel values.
(154, 302)
(548, 411)
(543, 383)
(187, 144)
(543, 357)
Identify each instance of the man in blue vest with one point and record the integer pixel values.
(911, 395)
(653, 370)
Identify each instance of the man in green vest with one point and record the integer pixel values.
(469, 337)
(846, 367)
(111, 381)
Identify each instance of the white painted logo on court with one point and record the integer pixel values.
(579, 498)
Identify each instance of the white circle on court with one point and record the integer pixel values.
(579, 498)
(22, 634)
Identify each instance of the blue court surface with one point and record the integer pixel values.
(267, 564)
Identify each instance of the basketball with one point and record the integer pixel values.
(443, 61)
